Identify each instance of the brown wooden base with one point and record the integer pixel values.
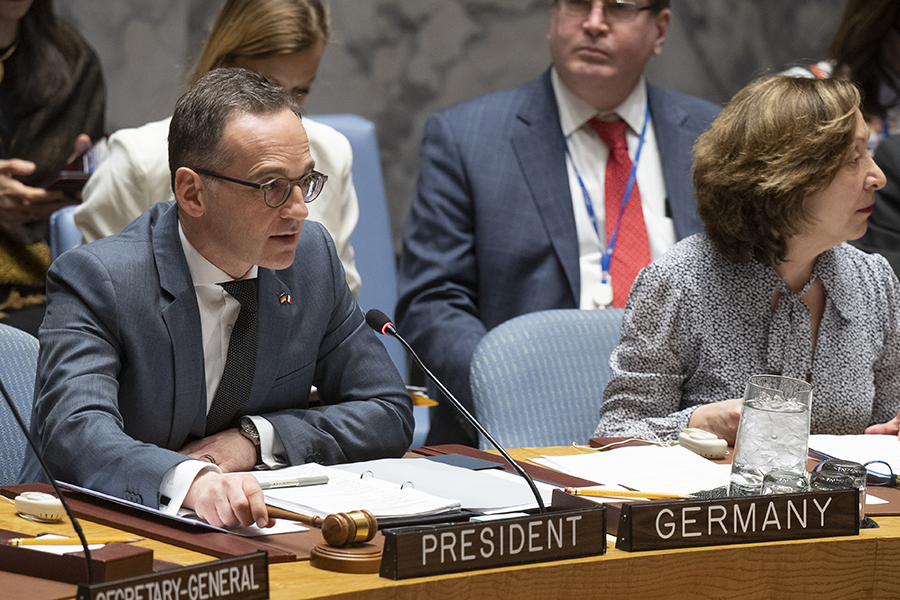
(362, 558)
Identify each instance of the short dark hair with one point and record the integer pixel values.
(201, 114)
(779, 140)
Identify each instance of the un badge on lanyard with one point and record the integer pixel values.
(602, 294)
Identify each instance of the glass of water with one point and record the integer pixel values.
(852, 469)
(773, 432)
(779, 481)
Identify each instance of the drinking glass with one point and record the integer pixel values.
(779, 481)
(851, 469)
(773, 432)
(830, 482)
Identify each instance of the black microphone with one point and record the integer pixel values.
(75, 524)
(380, 322)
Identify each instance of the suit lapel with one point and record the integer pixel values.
(539, 147)
(273, 316)
(182, 319)
(675, 141)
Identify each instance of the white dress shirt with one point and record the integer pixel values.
(589, 155)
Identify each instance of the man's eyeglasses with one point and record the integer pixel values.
(620, 11)
(277, 191)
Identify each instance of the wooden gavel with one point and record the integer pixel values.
(338, 529)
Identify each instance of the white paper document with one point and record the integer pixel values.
(860, 448)
(346, 492)
(669, 470)
(485, 491)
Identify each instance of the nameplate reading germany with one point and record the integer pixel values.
(417, 551)
(688, 524)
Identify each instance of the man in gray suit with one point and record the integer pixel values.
(511, 214)
(195, 334)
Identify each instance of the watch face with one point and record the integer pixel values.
(249, 429)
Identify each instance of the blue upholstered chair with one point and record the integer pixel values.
(64, 234)
(18, 361)
(371, 239)
(538, 379)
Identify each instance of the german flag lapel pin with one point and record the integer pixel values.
(284, 298)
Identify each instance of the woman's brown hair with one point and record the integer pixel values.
(779, 140)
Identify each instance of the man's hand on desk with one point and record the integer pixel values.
(228, 500)
(230, 449)
(720, 418)
(892, 427)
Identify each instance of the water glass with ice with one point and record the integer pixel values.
(773, 432)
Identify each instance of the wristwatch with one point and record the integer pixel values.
(249, 431)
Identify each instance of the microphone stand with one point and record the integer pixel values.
(378, 321)
(75, 524)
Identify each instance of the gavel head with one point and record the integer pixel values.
(344, 529)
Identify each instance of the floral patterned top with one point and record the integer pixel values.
(696, 326)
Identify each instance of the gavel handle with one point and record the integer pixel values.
(278, 513)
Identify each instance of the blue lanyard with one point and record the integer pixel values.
(606, 258)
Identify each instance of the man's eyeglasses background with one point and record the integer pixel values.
(620, 11)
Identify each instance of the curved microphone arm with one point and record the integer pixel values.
(378, 321)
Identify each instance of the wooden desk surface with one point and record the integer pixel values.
(847, 568)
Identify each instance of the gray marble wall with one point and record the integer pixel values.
(397, 61)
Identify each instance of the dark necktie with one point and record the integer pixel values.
(632, 248)
(240, 364)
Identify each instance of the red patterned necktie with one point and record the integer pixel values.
(631, 252)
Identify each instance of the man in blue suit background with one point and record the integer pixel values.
(141, 336)
(510, 208)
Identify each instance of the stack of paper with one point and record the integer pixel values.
(485, 491)
(346, 492)
(669, 470)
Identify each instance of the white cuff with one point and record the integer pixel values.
(178, 480)
(271, 449)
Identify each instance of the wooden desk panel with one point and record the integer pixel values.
(823, 569)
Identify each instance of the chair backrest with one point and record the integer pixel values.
(64, 234)
(371, 239)
(18, 362)
(538, 379)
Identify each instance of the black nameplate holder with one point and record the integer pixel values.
(661, 525)
(572, 527)
(239, 578)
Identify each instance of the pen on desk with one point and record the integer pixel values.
(620, 493)
(296, 482)
(70, 541)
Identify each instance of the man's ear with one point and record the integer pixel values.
(188, 192)
(662, 25)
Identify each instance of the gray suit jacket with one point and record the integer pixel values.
(120, 381)
(491, 234)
